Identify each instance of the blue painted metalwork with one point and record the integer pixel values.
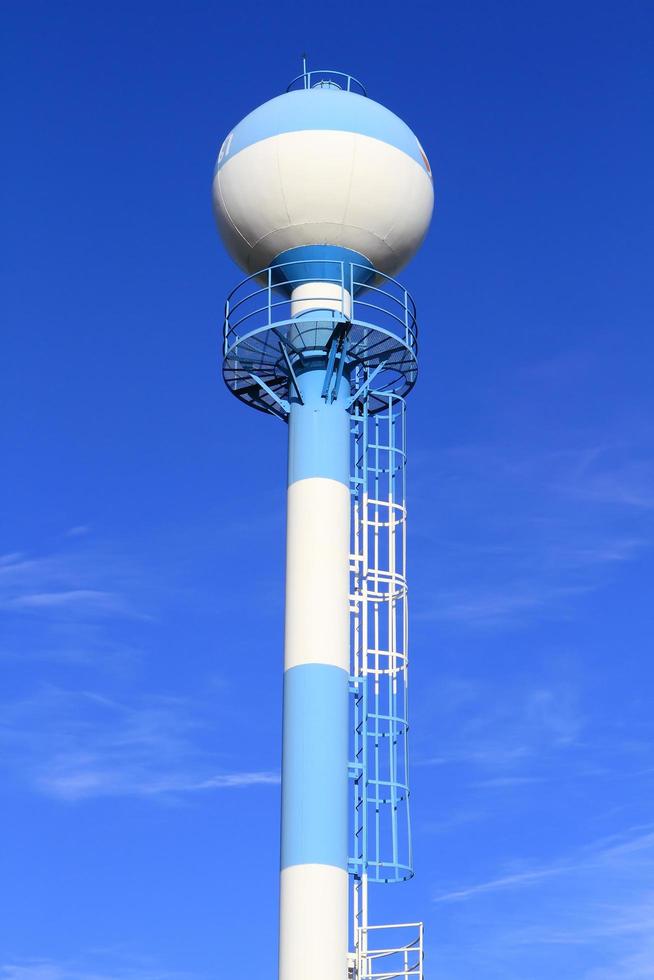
(261, 333)
(381, 832)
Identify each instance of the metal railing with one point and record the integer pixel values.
(381, 830)
(263, 300)
(326, 78)
(271, 326)
(401, 959)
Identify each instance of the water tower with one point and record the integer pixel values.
(321, 195)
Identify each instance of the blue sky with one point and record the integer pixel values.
(142, 530)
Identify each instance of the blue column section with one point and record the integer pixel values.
(314, 771)
(315, 726)
(318, 432)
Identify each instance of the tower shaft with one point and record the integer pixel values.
(314, 878)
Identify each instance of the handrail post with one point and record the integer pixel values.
(406, 317)
(269, 295)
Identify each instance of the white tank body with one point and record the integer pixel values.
(322, 167)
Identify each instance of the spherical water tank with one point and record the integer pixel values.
(322, 167)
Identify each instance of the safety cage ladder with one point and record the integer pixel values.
(381, 829)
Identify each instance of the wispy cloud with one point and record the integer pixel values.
(69, 605)
(637, 965)
(482, 606)
(10, 558)
(525, 535)
(497, 732)
(238, 780)
(519, 880)
(61, 582)
(508, 782)
(613, 474)
(104, 968)
(90, 600)
(587, 915)
(74, 745)
(77, 531)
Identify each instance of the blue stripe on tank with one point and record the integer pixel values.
(319, 429)
(315, 761)
(321, 109)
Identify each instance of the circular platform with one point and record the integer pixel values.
(372, 347)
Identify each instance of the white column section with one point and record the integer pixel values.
(317, 628)
(320, 296)
(313, 938)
